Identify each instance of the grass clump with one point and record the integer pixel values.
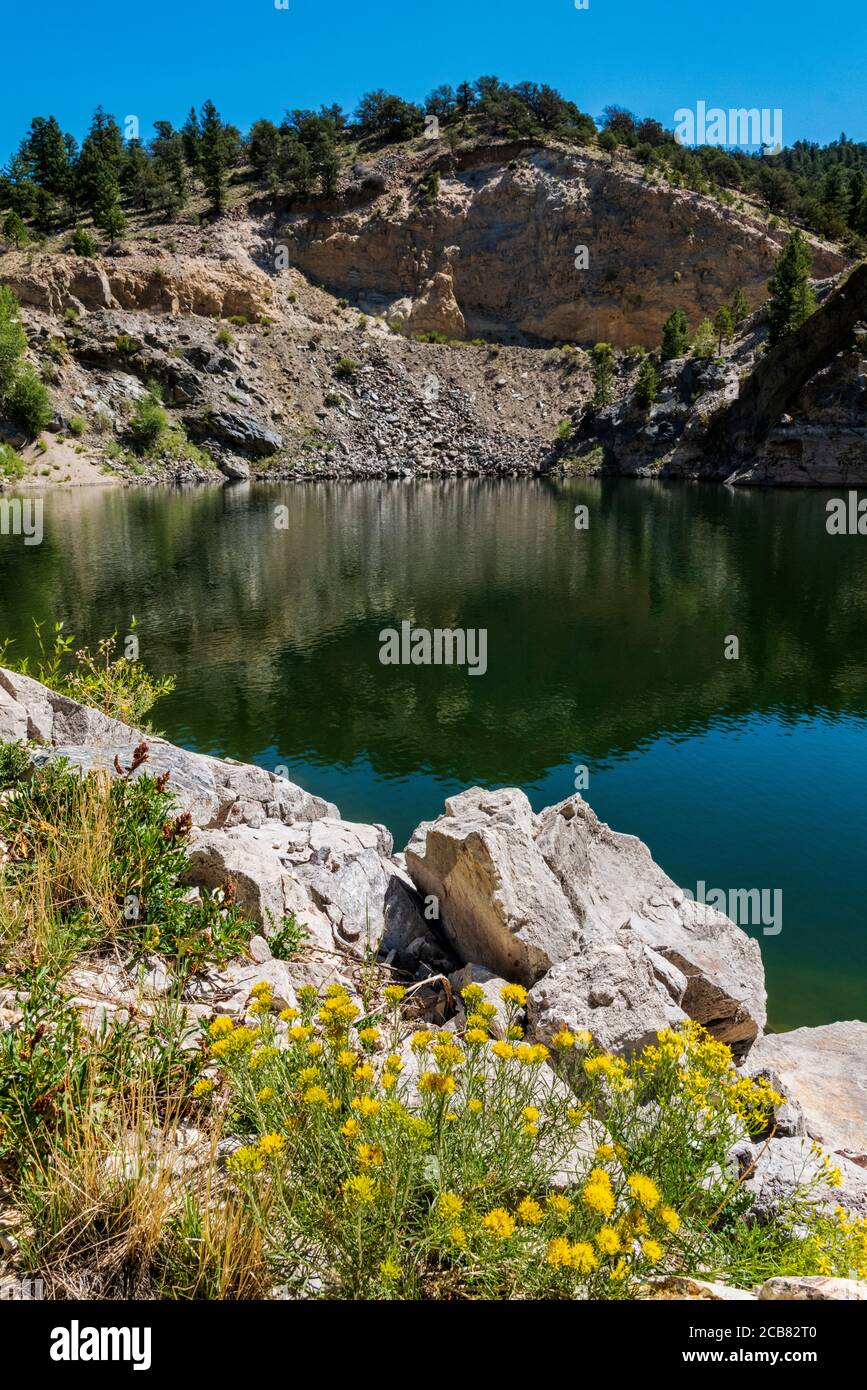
(12, 464)
(111, 681)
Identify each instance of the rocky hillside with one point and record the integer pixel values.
(287, 338)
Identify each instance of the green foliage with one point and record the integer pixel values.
(117, 685)
(12, 464)
(792, 299)
(602, 357)
(287, 941)
(564, 429)
(346, 369)
(675, 336)
(647, 386)
(14, 762)
(15, 230)
(148, 426)
(225, 338)
(705, 341)
(82, 243)
(77, 426)
(28, 402)
(740, 307)
(723, 324)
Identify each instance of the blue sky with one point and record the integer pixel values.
(154, 60)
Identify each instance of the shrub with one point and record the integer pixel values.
(346, 369)
(148, 426)
(82, 243)
(12, 464)
(28, 402)
(225, 338)
(77, 426)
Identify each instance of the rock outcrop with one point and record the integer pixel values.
(137, 282)
(518, 212)
(824, 1070)
(561, 902)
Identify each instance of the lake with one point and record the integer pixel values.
(606, 649)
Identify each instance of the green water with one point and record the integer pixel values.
(605, 648)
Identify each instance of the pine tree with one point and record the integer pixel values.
(113, 223)
(723, 326)
(48, 156)
(191, 136)
(675, 336)
(792, 299)
(740, 308)
(704, 340)
(647, 385)
(213, 157)
(99, 166)
(603, 373)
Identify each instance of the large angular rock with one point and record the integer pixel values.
(611, 880)
(500, 905)
(521, 893)
(825, 1071)
(610, 990)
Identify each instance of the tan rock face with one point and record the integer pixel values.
(55, 283)
(518, 224)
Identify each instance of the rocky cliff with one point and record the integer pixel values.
(413, 324)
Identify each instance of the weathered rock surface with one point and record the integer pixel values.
(668, 1288)
(812, 1288)
(825, 1071)
(772, 1171)
(561, 899)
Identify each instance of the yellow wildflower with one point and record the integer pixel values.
(644, 1190)
(449, 1205)
(499, 1223)
(272, 1144)
(369, 1155)
(608, 1240)
(514, 994)
(530, 1212)
(669, 1217)
(558, 1205)
(361, 1189)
